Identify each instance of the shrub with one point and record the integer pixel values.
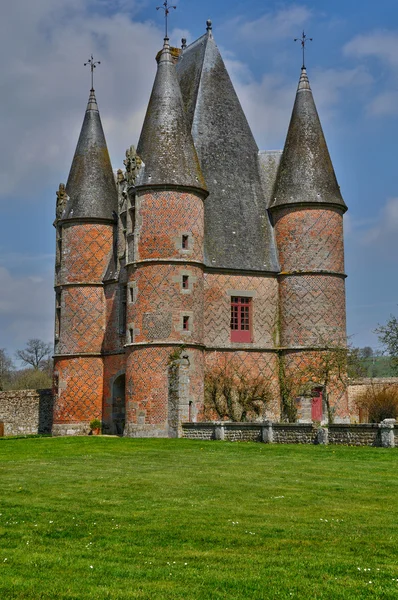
(379, 402)
(95, 424)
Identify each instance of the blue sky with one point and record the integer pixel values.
(353, 68)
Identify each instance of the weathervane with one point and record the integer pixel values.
(93, 65)
(303, 41)
(166, 9)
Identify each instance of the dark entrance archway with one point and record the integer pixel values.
(118, 417)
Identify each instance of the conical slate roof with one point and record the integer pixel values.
(238, 233)
(91, 185)
(166, 146)
(306, 173)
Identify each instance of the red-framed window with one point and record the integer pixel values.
(241, 319)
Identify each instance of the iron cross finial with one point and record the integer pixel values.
(303, 41)
(93, 65)
(166, 9)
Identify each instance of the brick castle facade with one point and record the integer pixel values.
(201, 250)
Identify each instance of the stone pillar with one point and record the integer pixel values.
(387, 433)
(322, 436)
(267, 432)
(219, 431)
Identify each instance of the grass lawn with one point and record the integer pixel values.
(99, 517)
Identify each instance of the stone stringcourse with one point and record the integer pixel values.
(383, 434)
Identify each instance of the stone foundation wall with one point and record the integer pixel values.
(24, 412)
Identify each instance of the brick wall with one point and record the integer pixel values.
(310, 239)
(358, 386)
(217, 301)
(24, 412)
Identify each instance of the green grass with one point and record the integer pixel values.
(101, 517)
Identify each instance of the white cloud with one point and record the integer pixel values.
(380, 44)
(44, 85)
(270, 26)
(383, 236)
(268, 103)
(384, 104)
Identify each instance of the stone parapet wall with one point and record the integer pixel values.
(366, 434)
(25, 412)
(370, 434)
(294, 433)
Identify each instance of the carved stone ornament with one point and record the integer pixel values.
(132, 163)
(62, 198)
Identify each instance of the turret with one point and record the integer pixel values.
(85, 238)
(165, 268)
(307, 208)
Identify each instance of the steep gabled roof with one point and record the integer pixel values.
(91, 185)
(238, 234)
(306, 173)
(166, 146)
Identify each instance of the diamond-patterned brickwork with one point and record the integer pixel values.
(86, 250)
(310, 239)
(312, 310)
(297, 367)
(176, 213)
(264, 364)
(159, 289)
(80, 389)
(218, 308)
(147, 384)
(82, 320)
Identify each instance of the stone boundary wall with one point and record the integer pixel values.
(25, 412)
(370, 434)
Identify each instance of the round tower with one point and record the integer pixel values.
(307, 209)
(165, 229)
(85, 233)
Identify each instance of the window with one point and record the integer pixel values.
(185, 282)
(185, 323)
(131, 294)
(240, 319)
(184, 242)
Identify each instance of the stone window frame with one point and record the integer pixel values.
(132, 292)
(243, 294)
(182, 331)
(178, 242)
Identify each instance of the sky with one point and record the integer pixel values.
(352, 64)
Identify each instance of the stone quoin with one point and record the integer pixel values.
(200, 250)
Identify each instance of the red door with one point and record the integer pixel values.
(316, 408)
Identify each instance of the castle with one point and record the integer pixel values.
(201, 250)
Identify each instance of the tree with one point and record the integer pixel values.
(30, 379)
(6, 368)
(366, 352)
(356, 368)
(35, 354)
(388, 336)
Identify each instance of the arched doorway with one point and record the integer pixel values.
(118, 405)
